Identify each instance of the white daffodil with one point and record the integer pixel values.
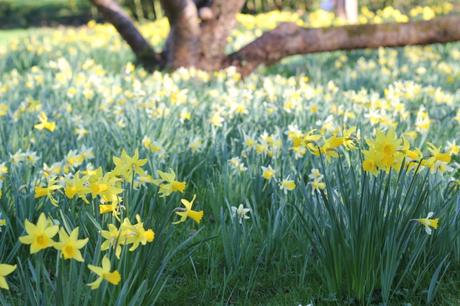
(240, 212)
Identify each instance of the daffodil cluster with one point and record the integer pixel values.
(40, 236)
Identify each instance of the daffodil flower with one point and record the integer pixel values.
(113, 238)
(40, 235)
(44, 123)
(168, 184)
(429, 223)
(48, 191)
(187, 212)
(77, 186)
(3, 109)
(240, 212)
(136, 234)
(104, 273)
(70, 245)
(268, 173)
(287, 185)
(4, 271)
(126, 166)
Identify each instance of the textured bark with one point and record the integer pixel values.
(114, 14)
(182, 45)
(289, 39)
(340, 10)
(215, 31)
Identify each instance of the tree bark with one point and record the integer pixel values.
(289, 39)
(114, 14)
(215, 31)
(182, 45)
(340, 9)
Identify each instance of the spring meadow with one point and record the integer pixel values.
(330, 178)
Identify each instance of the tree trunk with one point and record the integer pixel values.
(214, 32)
(340, 9)
(200, 43)
(182, 45)
(195, 42)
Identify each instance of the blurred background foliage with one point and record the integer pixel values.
(28, 13)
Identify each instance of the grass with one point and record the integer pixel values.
(343, 234)
(8, 35)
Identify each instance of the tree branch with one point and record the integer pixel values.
(289, 39)
(114, 14)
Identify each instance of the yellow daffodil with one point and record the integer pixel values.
(385, 152)
(168, 183)
(112, 206)
(3, 170)
(330, 146)
(150, 145)
(77, 186)
(3, 109)
(287, 185)
(126, 166)
(70, 245)
(5, 270)
(429, 223)
(438, 161)
(113, 238)
(106, 186)
(316, 180)
(268, 173)
(104, 273)
(40, 235)
(136, 234)
(188, 212)
(48, 190)
(370, 162)
(318, 185)
(44, 123)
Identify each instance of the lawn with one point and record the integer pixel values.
(8, 35)
(330, 179)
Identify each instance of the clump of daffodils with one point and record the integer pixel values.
(126, 234)
(388, 151)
